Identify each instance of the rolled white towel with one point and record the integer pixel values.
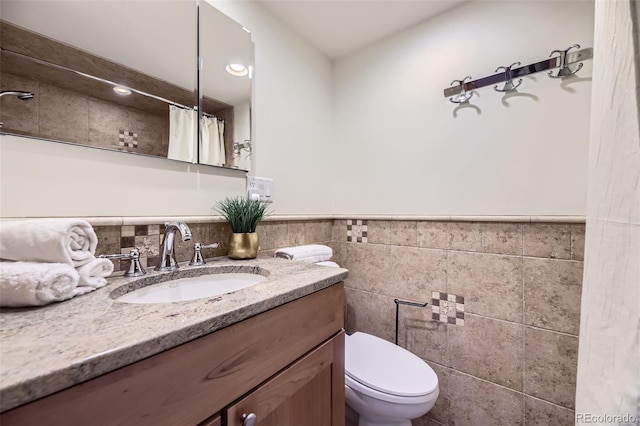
(36, 284)
(69, 241)
(328, 263)
(93, 274)
(311, 253)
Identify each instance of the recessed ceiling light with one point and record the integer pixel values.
(122, 91)
(237, 70)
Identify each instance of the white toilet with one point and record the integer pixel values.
(386, 384)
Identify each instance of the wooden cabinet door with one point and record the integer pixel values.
(309, 392)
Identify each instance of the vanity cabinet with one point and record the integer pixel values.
(286, 366)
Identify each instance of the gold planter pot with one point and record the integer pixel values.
(243, 246)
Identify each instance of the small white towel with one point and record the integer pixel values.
(311, 253)
(328, 263)
(93, 274)
(37, 284)
(69, 241)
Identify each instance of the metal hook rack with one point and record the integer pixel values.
(463, 88)
(508, 85)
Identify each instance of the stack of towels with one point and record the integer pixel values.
(48, 260)
(312, 253)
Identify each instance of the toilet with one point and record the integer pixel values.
(386, 384)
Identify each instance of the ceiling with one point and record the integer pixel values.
(339, 27)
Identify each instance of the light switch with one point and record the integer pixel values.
(260, 187)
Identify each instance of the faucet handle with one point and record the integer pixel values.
(135, 268)
(197, 259)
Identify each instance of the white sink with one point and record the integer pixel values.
(191, 288)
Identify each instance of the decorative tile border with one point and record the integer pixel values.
(127, 139)
(356, 231)
(146, 238)
(447, 308)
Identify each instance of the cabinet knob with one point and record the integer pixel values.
(249, 419)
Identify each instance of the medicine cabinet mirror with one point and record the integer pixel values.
(122, 75)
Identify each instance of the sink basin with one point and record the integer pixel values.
(176, 287)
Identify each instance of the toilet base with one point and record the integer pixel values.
(364, 422)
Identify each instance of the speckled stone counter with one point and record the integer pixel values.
(47, 349)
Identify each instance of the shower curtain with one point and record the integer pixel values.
(608, 384)
(212, 150)
(182, 134)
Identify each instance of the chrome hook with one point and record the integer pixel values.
(565, 71)
(463, 96)
(508, 79)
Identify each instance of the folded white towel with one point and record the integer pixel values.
(69, 241)
(93, 274)
(36, 284)
(311, 253)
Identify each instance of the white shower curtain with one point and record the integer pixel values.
(608, 385)
(182, 134)
(212, 142)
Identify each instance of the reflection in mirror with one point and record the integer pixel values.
(226, 54)
(104, 74)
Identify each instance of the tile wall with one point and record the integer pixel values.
(501, 327)
(61, 114)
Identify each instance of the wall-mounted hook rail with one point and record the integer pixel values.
(564, 64)
(547, 64)
(508, 83)
(463, 96)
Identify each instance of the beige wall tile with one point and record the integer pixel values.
(421, 335)
(105, 122)
(403, 233)
(415, 272)
(552, 291)
(108, 242)
(488, 349)
(15, 114)
(440, 411)
(310, 232)
(425, 421)
(502, 238)
(551, 361)
(577, 242)
(547, 240)
(378, 232)
(491, 284)
(272, 235)
(62, 115)
(149, 128)
(339, 232)
(370, 313)
(474, 402)
(464, 236)
(369, 267)
(297, 233)
(542, 413)
(339, 253)
(433, 234)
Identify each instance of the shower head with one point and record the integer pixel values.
(22, 95)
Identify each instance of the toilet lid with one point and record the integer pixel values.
(387, 368)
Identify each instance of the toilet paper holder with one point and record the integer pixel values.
(399, 302)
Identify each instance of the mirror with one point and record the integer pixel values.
(111, 74)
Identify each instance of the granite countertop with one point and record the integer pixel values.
(47, 349)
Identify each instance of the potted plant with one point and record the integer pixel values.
(243, 215)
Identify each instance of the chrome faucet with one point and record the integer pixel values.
(167, 256)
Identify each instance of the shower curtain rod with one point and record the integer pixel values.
(102, 80)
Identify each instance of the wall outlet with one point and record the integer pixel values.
(260, 188)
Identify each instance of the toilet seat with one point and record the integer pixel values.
(403, 375)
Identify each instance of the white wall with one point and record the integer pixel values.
(292, 127)
(292, 112)
(399, 147)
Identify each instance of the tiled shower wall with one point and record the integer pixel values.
(61, 114)
(512, 359)
(501, 327)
